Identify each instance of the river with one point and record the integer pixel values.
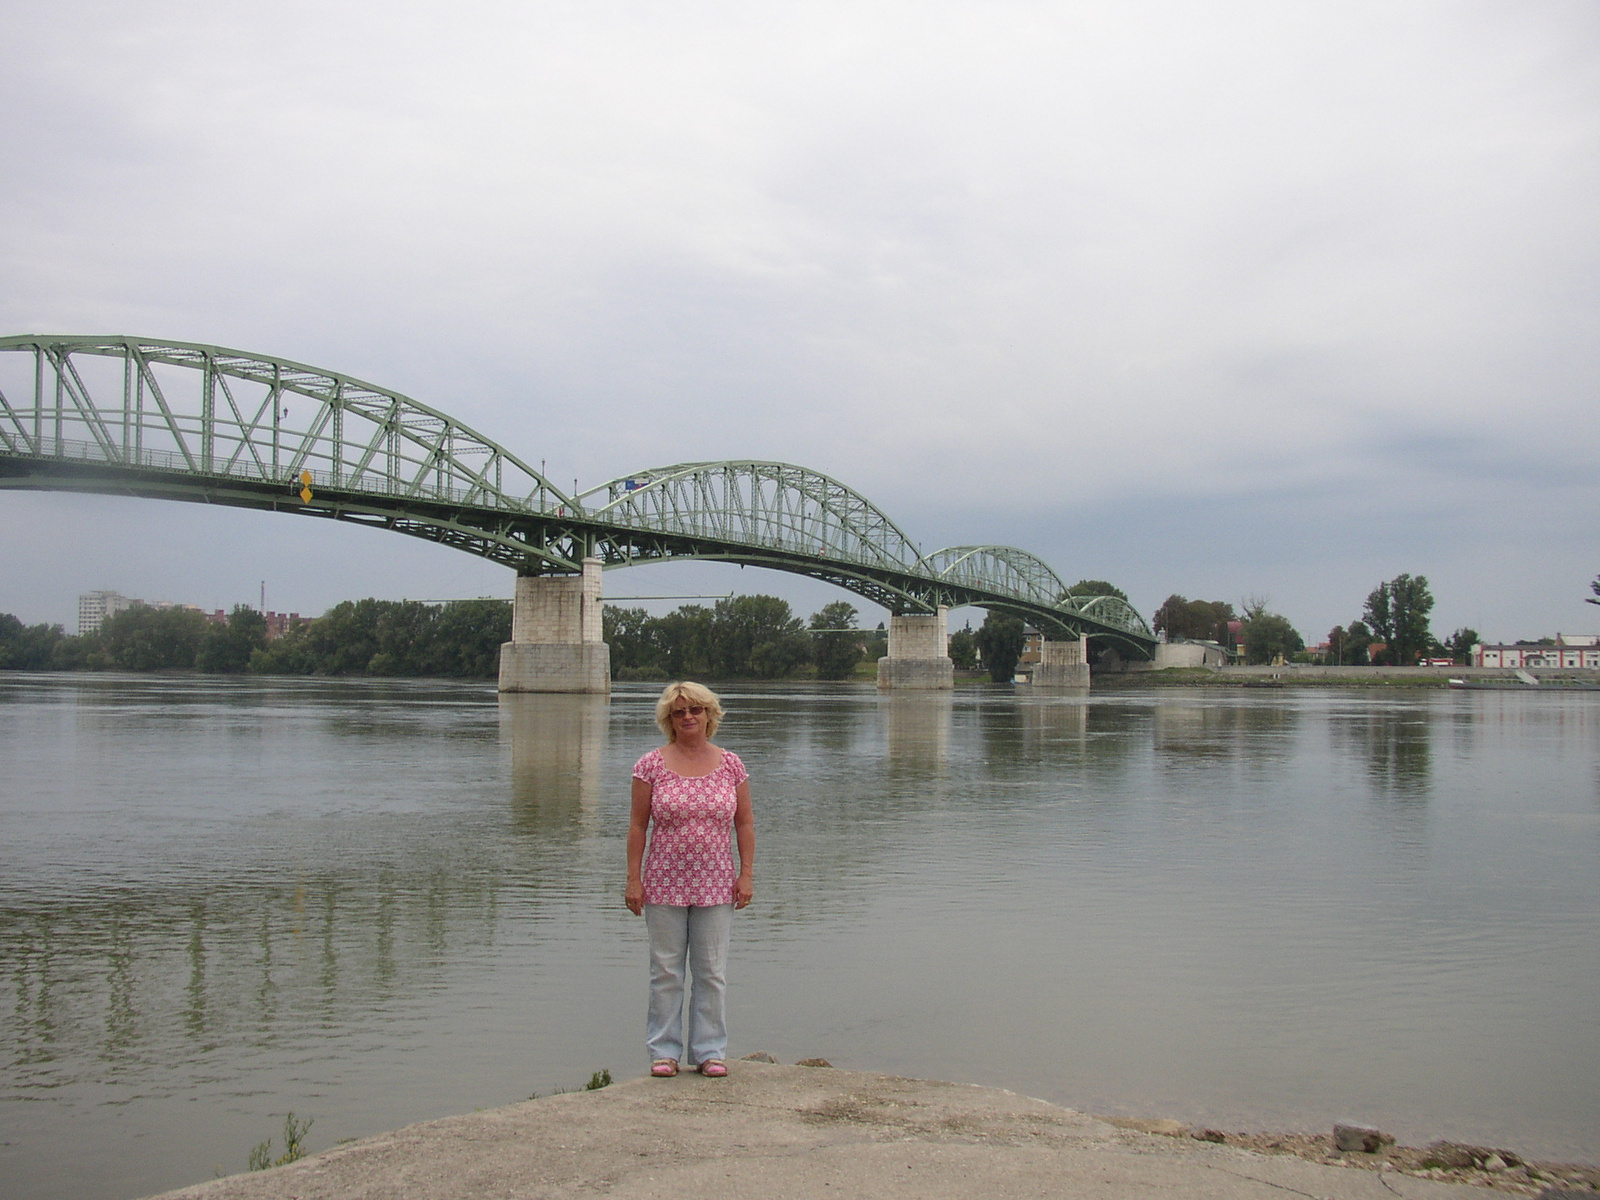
(372, 903)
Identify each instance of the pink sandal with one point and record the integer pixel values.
(713, 1068)
(664, 1068)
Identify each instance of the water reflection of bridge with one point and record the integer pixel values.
(181, 421)
(556, 742)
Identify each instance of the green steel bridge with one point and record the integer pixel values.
(179, 421)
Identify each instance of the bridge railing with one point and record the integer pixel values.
(173, 462)
(226, 413)
(767, 506)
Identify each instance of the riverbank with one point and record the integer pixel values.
(802, 1132)
(1313, 675)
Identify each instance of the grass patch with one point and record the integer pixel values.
(294, 1136)
(601, 1078)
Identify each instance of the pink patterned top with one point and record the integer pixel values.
(690, 859)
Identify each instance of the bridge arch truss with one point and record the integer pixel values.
(185, 421)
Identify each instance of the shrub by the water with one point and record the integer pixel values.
(294, 1136)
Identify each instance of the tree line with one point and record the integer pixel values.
(460, 639)
(741, 637)
(1393, 629)
(750, 637)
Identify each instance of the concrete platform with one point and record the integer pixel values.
(799, 1133)
(582, 668)
(916, 674)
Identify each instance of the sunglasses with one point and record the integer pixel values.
(694, 710)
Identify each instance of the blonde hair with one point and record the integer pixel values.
(694, 693)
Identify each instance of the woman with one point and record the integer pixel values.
(686, 795)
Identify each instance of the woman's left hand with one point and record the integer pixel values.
(744, 889)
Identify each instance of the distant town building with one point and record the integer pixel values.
(1568, 651)
(1032, 646)
(95, 607)
(278, 623)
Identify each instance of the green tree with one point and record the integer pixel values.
(685, 636)
(836, 654)
(1356, 641)
(1268, 635)
(1594, 586)
(964, 649)
(1398, 614)
(142, 638)
(1198, 620)
(1461, 642)
(877, 644)
(460, 639)
(79, 653)
(405, 631)
(292, 653)
(782, 656)
(757, 636)
(1336, 646)
(634, 640)
(225, 649)
(1096, 587)
(1000, 640)
(343, 640)
(27, 647)
(467, 636)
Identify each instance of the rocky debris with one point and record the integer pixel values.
(1455, 1156)
(1164, 1126)
(759, 1056)
(813, 1062)
(1501, 1170)
(1362, 1138)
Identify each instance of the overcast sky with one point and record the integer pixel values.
(1272, 299)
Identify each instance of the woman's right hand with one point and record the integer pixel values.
(633, 897)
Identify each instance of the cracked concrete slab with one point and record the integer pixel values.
(797, 1133)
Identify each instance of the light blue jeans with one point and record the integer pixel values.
(695, 938)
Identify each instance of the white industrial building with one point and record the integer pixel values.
(1569, 651)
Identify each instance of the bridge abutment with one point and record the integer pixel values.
(556, 641)
(918, 658)
(1063, 665)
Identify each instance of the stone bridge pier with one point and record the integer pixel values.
(556, 641)
(1063, 665)
(919, 654)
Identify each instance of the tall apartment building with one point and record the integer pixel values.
(95, 607)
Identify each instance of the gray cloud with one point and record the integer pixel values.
(1325, 272)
